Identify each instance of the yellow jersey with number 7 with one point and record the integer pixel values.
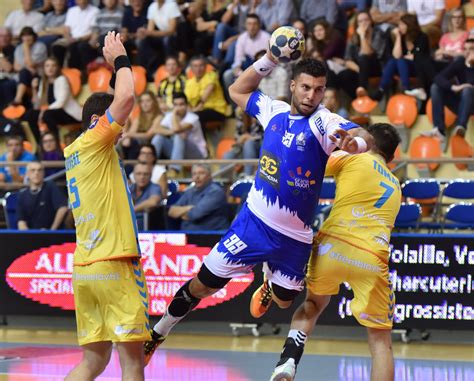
(367, 201)
(99, 196)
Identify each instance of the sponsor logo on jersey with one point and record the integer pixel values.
(269, 169)
(300, 141)
(301, 181)
(318, 122)
(287, 139)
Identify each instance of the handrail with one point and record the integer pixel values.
(187, 162)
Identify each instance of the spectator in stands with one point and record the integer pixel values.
(454, 88)
(142, 128)
(410, 56)
(300, 25)
(51, 151)
(326, 40)
(180, 135)
(42, 205)
(25, 17)
(29, 57)
(134, 17)
(52, 25)
(156, 40)
(204, 93)
(146, 195)
(173, 83)
(312, 10)
(451, 44)
(386, 13)
(358, 5)
(78, 27)
(203, 206)
(276, 84)
(53, 100)
(15, 152)
(108, 19)
(273, 13)
(231, 25)
(206, 24)
(7, 83)
(147, 155)
(332, 102)
(365, 53)
(249, 140)
(430, 16)
(249, 43)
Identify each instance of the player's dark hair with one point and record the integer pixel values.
(96, 104)
(311, 67)
(386, 139)
(180, 95)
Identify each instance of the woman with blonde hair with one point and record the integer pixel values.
(451, 44)
(53, 101)
(142, 128)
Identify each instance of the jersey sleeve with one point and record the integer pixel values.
(103, 131)
(336, 162)
(264, 108)
(324, 123)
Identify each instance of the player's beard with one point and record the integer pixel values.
(300, 111)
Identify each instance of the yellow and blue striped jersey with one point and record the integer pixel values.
(367, 201)
(99, 196)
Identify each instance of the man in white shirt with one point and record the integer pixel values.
(20, 18)
(77, 28)
(430, 16)
(156, 41)
(180, 135)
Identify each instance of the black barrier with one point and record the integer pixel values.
(431, 274)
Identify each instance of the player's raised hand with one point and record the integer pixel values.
(344, 141)
(113, 47)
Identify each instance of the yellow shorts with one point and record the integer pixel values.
(334, 262)
(111, 300)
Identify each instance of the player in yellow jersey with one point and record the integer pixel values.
(110, 292)
(353, 247)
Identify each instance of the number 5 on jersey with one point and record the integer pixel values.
(388, 192)
(74, 199)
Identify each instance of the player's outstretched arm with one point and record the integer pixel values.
(247, 82)
(124, 94)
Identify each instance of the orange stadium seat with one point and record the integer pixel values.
(223, 146)
(469, 23)
(14, 112)
(449, 116)
(460, 148)
(364, 104)
(99, 80)
(424, 147)
(450, 4)
(139, 76)
(160, 74)
(401, 109)
(74, 77)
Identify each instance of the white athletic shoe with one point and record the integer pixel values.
(418, 93)
(285, 371)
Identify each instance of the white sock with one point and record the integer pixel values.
(298, 336)
(166, 323)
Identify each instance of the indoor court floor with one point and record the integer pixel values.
(46, 354)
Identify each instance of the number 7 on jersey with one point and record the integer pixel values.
(385, 196)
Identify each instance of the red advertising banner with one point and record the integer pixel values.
(45, 275)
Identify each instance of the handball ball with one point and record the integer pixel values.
(287, 44)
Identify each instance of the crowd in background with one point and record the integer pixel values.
(370, 48)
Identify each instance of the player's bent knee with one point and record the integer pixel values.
(283, 296)
(211, 281)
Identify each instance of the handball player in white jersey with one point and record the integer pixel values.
(274, 226)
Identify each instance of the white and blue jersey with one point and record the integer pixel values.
(293, 158)
(275, 225)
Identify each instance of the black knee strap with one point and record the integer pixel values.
(183, 301)
(284, 294)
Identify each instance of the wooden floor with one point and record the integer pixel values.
(47, 354)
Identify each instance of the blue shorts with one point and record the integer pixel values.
(249, 242)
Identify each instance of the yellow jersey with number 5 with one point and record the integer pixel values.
(367, 201)
(99, 196)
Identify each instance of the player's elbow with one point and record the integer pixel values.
(233, 93)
